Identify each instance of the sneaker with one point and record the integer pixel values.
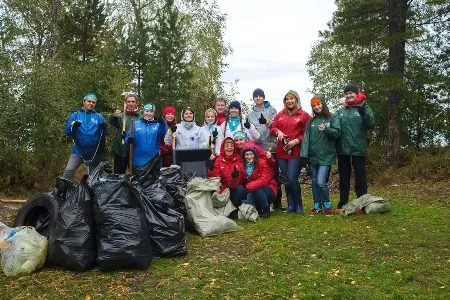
(314, 212)
(271, 207)
(328, 211)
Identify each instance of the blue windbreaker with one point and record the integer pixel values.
(146, 140)
(86, 137)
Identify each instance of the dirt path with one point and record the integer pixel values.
(8, 212)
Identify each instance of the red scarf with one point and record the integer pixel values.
(360, 97)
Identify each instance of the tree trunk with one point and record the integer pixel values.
(396, 68)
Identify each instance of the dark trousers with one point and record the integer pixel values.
(261, 199)
(120, 164)
(345, 163)
(276, 172)
(237, 195)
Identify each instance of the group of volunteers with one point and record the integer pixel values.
(253, 156)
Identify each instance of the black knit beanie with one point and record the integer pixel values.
(351, 87)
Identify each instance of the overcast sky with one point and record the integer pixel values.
(271, 41)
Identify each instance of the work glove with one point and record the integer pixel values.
(215, 133)
(247, 124)
(173, 128)
(262, 120)
(76, 123)
(235, 173)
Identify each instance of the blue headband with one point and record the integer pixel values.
(149, 106)
(89, 96)
(240, 135)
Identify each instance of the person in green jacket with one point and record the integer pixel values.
(355, 118)
(119, 147)
(318, 148)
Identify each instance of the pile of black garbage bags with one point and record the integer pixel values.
(112, 221)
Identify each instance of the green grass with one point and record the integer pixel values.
(403, 254)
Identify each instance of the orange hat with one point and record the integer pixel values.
(315, 101)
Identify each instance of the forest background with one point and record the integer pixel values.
(173, 52)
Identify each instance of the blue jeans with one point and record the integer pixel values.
(320, 190)
(290, 170)
(261, 198)
(237, 195)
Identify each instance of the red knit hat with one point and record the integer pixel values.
(169, 110)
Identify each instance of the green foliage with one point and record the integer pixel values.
(355, 49)
(82, 26)
(53, 52)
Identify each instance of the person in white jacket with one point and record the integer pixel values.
(234, 122)
(186, 133)
(209, 132)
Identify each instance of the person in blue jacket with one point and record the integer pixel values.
(87, 128)
(147, 132)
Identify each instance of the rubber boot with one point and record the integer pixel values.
(291, 206)
(299, 206)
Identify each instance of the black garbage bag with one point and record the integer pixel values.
(147, 177)
(172, 180)
(167, 232)
(122, 230)
(72, 242)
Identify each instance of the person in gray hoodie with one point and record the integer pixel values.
(261, 116)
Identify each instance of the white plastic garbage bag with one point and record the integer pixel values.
(23, 250)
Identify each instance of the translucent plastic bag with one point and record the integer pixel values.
(24, 251)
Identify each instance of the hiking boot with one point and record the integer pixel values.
(314, 212)
(328, 211)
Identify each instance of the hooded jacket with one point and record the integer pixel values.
(224, 166)
(353, 129)
(292, 125)
(262, 174)
(146, 140)
(266, 140)
(87, 136)
(319, 146)
(185, 138)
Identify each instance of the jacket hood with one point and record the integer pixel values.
(322, 99)
(222, 146)
(249, 147)
(296, 96)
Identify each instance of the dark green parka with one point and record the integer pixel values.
(319, 146)
(353, 135)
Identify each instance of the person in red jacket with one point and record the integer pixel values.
(227, 166)
(289, 126)
(258, 181)
(166, 150)
(241, 140)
